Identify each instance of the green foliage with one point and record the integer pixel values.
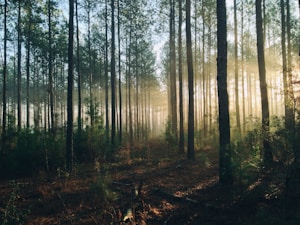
(91, 142)
(246, 157)
(281, 146)
(101, 189)
(26, 152)
(11, 215)
(170, 136)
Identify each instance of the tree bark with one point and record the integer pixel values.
(4, 100)
(190, 150)
(78, 72)
(69, 151)
(181, 131)
(113, 76)
(172, 55)
(225, 170)
(19, 76)
(236, 73)
(267, 154)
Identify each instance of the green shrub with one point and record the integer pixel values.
(11, 214)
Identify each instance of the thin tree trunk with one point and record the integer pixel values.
(69, 144)
(19, 66)
(190, 150)
(78, 71)
(120, 82)
(181, 131)
(4, 102)
(243, 77)
(106, 75)
(113, 76)
(50, 68)
(173, 92)
(236, 73)
(267, 154)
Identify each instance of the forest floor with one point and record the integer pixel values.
(143, 191)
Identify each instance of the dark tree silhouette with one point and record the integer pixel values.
(267, 154)
(69, 152)
(225, 171)
(4, 72)
(190, 150)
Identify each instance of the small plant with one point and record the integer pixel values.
(170, 136)
(102, 190)
(11, 215)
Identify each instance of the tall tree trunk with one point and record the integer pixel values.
(28, 69)
(203, 75)
(236, 73)
(190, 149)
(181, 129)
(290, 113)
(78, 72)
(50, 68)
(69, 151)
(19, 66)
(4, 102)
(225, 170)
(91, 97)
(243, 77)
(113, 76)
(120, 82)
(106, 74)
(173, 92)
(267, 154)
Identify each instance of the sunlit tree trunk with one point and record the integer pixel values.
(267, 154)
(69, 144)
(204, 103)
(189, 53)
(236, 73)
(243, 71)
(225, 170)
(181, 131)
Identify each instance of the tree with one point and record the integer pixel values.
(287, 73)
(4, 73)
(113, 76)
(120, 82)
(236, 68)
(19, 76)
(172, 72)
(225, 170)
(290, 113)
(69, 151)
(267, 154)
(78, 71)
(181, 131)
(50, 66)
(190, 150)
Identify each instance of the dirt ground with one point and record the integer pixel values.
(143, 191)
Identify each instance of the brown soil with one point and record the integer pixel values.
(146, 191)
